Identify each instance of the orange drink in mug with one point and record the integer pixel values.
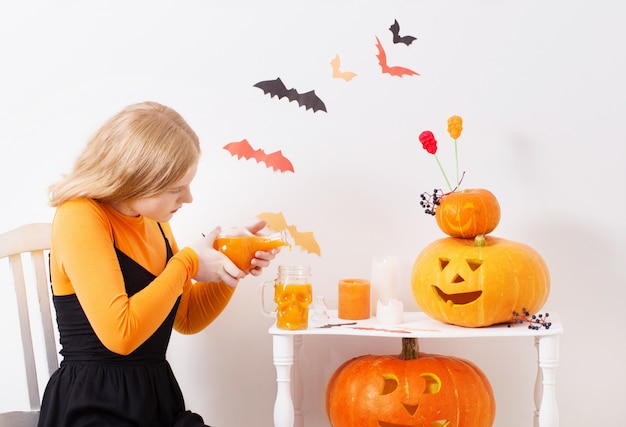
(240, 248)
(293, 293)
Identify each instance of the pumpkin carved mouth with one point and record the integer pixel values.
(441, 423)
(461, 298)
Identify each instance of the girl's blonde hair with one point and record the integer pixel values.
(140, 152)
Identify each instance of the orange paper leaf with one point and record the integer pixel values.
(274, 160)
(394, 71)
(276, 222)
(346, 75)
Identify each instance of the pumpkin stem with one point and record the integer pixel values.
(410, 349)
(479, 241)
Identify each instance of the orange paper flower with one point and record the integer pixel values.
(455, 126)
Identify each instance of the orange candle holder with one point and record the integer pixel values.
(354, 299)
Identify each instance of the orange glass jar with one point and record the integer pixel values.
(240, 249)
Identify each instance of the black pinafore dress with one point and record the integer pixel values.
(96, 387)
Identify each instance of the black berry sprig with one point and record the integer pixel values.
(535, 321)
(430, 201)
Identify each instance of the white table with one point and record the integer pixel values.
(286, 347)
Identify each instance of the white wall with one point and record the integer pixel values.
(540, 86)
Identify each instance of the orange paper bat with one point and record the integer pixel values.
(346, 75)
(394, 71)
(275, 160)
(276, 222)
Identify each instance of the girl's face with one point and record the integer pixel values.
(162, 207)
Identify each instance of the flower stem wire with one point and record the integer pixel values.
(456, 157)
(443, 172)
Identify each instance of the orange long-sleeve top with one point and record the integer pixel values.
(83, 261)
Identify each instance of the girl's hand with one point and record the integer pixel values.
(214, 266)
(261, 259)
(257, 226)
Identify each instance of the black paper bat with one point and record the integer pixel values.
(277, 88)
(395, 29)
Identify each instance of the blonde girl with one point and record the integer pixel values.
(120, 282)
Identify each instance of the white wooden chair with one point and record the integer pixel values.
(32, 239)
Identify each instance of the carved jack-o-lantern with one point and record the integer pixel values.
(468, 213)
(412, 389)
(479, 282)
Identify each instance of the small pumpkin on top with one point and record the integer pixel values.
(468, 213)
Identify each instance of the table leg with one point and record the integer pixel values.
(283, 361)
(298, 389)
(545, 395)
(538, 388)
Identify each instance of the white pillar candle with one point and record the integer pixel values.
(384, 277)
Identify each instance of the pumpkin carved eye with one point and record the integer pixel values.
(474, 263)
(390, 384)
(433, 383)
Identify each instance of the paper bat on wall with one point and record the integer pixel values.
(274, 160)
(394, 71)
(346, 75)
(395, 29)
(276, 222)
(277, 88)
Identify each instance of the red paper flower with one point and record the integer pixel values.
(428, 141)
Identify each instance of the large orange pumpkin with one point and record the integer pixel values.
(412, 389)
(468, 213)
(479, 282)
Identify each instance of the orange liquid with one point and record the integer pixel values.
(293, 305)
(241, 249)
(354, 299)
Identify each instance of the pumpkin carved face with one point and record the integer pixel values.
(468, 213)
(429, 391)
(478, 282)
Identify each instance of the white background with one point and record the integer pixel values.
(540, 86)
